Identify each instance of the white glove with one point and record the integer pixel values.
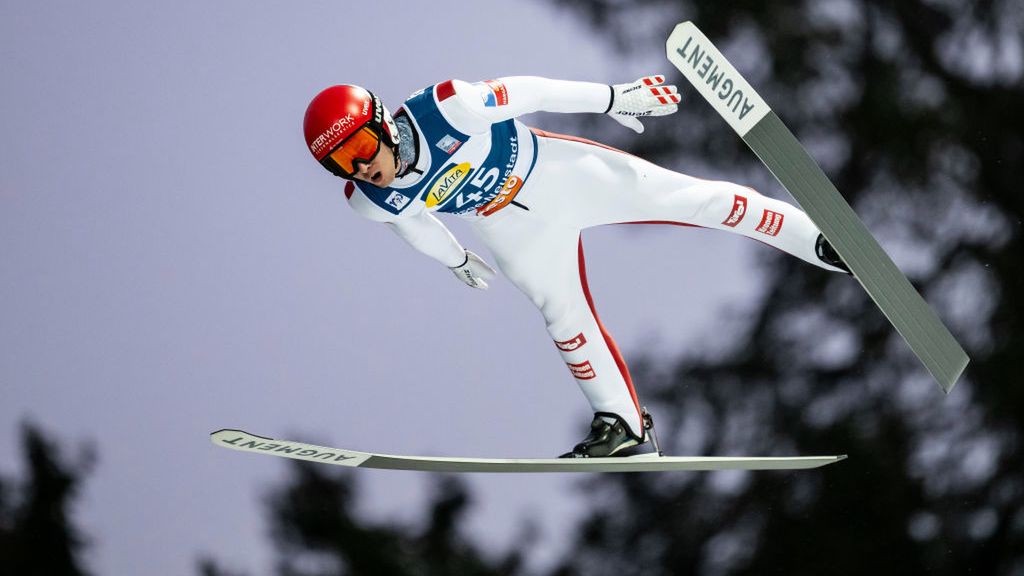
(645, 97)
(474, 271)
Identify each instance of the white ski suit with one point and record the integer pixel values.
(529, 193)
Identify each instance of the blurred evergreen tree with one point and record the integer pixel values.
(915, 109)
(318, 533)
(37, 536)
(208, 566)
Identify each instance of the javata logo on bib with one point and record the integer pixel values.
(446, 184)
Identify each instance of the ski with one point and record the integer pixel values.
(748, 114)
(239, 440)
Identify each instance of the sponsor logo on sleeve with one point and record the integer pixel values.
(494, 93)
(449, 144)
(582, 371)
(397, 200)
(771, 223)
(574, 343)
(447, 183)
(739, 209)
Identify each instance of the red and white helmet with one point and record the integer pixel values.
(344, 126)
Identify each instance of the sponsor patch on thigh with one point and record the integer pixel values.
(582, 371)
(574, 343)
(771, 223)
(739, 210)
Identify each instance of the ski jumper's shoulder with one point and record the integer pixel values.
(460, 103)
(450, 104)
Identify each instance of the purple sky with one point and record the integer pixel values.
(173, 262)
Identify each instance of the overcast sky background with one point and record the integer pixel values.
(172, 262)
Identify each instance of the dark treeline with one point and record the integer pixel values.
(38, 536)
(317, 532)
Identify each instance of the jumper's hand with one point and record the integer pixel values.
(474, 271)
(645, 97)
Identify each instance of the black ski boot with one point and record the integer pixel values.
(827, 254)
(606, 439)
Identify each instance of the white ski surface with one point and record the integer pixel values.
(239, 440)
(748, 114)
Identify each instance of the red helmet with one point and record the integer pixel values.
(344, 127)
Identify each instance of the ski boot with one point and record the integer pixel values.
(827, 254)
(612, 439)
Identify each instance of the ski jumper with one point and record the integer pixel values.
(528, 194)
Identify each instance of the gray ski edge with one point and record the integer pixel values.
(887, 286)
(246, 442)
(729, 94)
(628, 464)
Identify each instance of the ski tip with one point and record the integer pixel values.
(216, 435)
(679, 30)
(950, 381)
(234, 431)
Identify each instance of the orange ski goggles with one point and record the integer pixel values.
(359, 148)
